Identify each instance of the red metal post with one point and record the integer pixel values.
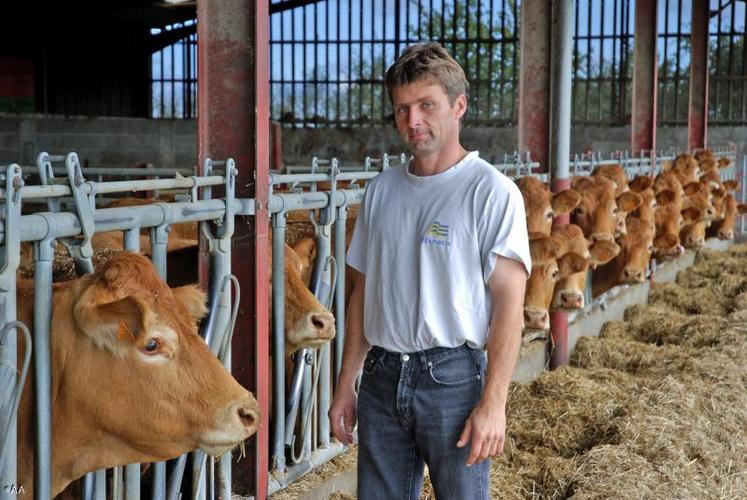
(697, 117)
(234, 121)
(534, 80)
(643, 118)
(277, 145)
(559, 319)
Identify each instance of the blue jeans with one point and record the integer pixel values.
(412, 409)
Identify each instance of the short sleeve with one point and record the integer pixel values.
(358, 250)
(503, 227)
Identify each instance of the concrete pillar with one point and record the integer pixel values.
(643, 117)
(697, 116)
(534, 80)
(560, 142)
(234, 121)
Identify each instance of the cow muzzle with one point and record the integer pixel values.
(632, 275)
(234, 424)
(568, 300)
(536, 318)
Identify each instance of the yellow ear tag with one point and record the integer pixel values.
(124, 333)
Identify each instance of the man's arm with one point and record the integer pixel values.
(486, 426)
(342, 413)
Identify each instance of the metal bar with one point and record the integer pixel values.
(340, 243)
(115, 171)
(698, 109)
(643, 117)
(534, 80)
(278, 317)
(89, 187)
(562, 58)
(36, 227)
(132, 482)
(677, 70)
(44, 255)
(99, 485)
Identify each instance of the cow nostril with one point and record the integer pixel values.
(248, 417)
(322, 322)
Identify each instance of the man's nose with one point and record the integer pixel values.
(414, 117)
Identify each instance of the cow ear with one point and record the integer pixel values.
(731, 185)
(665, 197)
(603, 251)
(565, 201)
(543, 249)
(692, 188)
(718, 192)
(742, 208)
(723, 162)
(572, 263)
(641, 183)
(666, 166)
(691, 214)
(111, 325)
(193, 299)
(628, 201)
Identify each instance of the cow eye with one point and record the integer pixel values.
(151, 345)
(555, 274)
(549, 215)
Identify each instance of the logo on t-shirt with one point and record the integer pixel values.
(436, 234)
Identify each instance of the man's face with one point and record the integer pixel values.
(425, 119)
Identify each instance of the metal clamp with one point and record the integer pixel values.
(10, 227)
(84, 206)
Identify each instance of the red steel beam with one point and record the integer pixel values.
(559, 319)
(697, 116)
(234, 121)
(534, 80)
(643, 117)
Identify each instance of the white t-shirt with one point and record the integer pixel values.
(428, 246)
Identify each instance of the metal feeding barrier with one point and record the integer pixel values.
(75, 228)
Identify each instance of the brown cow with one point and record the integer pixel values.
(630, 265)
(686, 168)
(596, 214)
(569, 290)
(548, 266)
(132, 381)
(541, 205)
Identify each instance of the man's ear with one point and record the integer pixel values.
(461, 106)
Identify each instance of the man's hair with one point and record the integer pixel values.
(428, 62)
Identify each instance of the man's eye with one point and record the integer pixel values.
(427, 104)
(401, 110)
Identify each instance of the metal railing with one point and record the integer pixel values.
(75, 229)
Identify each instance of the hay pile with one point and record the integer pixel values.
(656, 407)
(63, 266)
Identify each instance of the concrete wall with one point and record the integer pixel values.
(100, 141)
(169, 143)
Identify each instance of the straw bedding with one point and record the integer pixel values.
(656, 407)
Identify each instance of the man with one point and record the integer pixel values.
(441, 257)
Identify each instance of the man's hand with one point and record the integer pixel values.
(486, 429)
(343, 413)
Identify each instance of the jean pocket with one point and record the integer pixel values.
(457, 370)
(370, 365)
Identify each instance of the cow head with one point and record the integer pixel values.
(132, 379)
(307, 322)
(616, 174)
(636, 248)
(542, 205)
(668, 219)
(569, 290)
(596, 214)
(686, 169)
(548, 266)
